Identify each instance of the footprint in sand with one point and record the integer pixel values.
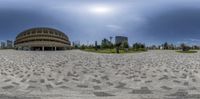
(102, 94)
(8, 87)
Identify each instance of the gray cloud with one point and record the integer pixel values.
(152, 21)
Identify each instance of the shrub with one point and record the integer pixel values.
(185, 47)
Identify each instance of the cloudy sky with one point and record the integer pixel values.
(147, 21)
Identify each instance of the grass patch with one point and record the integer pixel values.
(187, 51)
(111, 51)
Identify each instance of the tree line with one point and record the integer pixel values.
(108, 44)
(168, 46)
(137, 46)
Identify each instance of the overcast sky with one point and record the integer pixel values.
(147, 21)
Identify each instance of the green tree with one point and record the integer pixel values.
(117, 47)
(125, 45)
(195, 47)
(105, 43)
(184, 47)
(165, 45)
(83, 47)
(138, 46)
(135, 46)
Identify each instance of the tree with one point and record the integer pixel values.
(138, 46)
(117, 47)
(165, 45)
(125, 45)
(195, 47)
(172, 46)
(83, 47)
(90, 46)
(105, 43)
(185, 47)
(142, 46)
(76, 47)
(96, 45)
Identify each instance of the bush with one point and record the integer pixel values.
(185, 47)
(138, 47)
(83, 47)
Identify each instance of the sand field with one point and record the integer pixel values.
(76, 74)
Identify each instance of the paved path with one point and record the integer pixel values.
(83, 75)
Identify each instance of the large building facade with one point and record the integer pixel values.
(42, 39)
(121, 39)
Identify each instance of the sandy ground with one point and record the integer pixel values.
(83, 75)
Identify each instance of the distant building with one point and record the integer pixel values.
(42, 38)
(9, 44)
(96, 44)
(76, 44)
(3, 45)
(120, 39)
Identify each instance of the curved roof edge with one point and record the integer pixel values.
(23, 32)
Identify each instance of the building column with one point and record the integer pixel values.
(42, 48)
(55, 49)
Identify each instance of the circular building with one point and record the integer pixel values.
(42, 39)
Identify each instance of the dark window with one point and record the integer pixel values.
(51, 32)
(45, 31)
(39, 31)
